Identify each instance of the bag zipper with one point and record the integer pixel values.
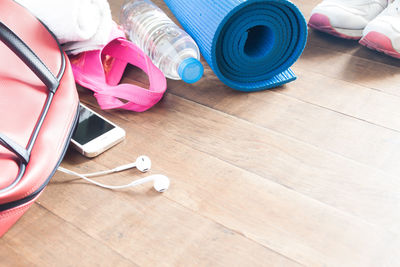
(16, 203)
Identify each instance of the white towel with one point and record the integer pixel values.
(79, 25)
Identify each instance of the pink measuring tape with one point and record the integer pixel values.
(101, 71)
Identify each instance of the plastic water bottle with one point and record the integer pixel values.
(170, 48)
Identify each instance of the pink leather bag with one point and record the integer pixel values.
(38, 110)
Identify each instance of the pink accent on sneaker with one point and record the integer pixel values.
(379, 42)
(322, 23)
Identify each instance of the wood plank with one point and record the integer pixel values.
(352, 121)
(345, 136)
(301, 175)
(330, 178)
(348, 60)
(294, 225)
(44, 239)
(347, 98)
(377, 76)
(146, 227)
(10, 258)
(351, 47)
(306, 6)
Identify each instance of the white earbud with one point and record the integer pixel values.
(160, 182)
(142, 163)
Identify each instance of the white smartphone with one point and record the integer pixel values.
(95, 134)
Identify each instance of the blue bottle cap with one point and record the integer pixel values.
(190, 70)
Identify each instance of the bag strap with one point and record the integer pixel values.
(102, 70)
(15, 44)
(52, 82)
(136, 98)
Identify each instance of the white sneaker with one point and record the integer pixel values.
(383, 33)
(345, 18)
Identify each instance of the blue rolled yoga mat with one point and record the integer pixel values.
(250, 44)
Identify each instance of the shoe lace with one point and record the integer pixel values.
(393, 7)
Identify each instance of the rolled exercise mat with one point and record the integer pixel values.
(250, 44)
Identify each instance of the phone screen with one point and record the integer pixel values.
(90, 127)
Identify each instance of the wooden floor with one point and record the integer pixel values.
(303, 175)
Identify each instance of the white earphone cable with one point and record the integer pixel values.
(95, 174)
(113, 187)
(142, 163)
(117, 169)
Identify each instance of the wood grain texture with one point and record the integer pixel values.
(302, 175)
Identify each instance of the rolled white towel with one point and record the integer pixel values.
(79, 25)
